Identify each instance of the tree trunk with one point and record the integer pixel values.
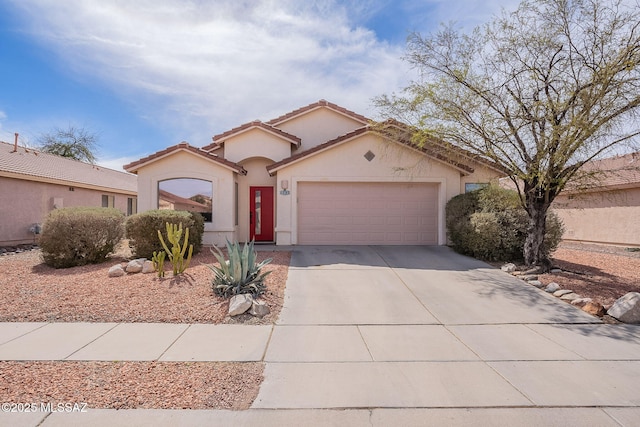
(534, 255)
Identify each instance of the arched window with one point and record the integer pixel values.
(187, 194)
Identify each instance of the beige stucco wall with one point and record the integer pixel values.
(319, 126)
(346, 163)
(24, 203)
(183, 164)
(611, 217)
(256, 143)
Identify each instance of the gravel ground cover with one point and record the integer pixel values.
(130, 385)
(33, 292)
(603, 273)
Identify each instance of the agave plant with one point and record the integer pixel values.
(240, 274)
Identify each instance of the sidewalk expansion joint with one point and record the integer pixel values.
(92, 341)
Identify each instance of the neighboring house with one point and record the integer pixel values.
(33, 183)
(317, 175)
(170, 201)
(608, 209)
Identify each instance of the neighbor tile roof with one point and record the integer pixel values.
(217, 139)
(321, 103)
(619, 171)
(174, 198)
(33, 164)
(184, 146)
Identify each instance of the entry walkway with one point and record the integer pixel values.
(380, 336)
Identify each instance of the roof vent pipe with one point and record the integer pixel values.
(15, 144)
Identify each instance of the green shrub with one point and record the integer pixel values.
(142, 230)
(491, 224)
(79, 236)
(240, 274)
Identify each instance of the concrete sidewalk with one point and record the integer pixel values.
(380, 336)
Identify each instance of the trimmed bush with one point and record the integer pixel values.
(491, 224)
(79, 236)
(142, 230)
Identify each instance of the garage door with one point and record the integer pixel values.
(376, 213)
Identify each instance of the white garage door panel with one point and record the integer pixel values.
(367, 213)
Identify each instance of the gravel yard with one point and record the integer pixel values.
(33, 292)
(130, 385)
(603, 273)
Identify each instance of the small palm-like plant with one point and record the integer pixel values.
(240, 274)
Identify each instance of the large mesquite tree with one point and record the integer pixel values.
(540, 91)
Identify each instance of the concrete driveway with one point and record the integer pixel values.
(423, 327)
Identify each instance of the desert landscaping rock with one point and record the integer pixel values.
(536, 283)
(594, 308)
(580, 302)
(116, 271)
(509, 268)
(147, 267)
(552, 287)
(626, 308)
(570, 297)
(240, 304)
(134, 266)
(259, 309)
(529, 277)
(562, 292)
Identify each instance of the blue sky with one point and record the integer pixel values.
(147, 74)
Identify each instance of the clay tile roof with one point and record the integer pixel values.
(440, 149)
(455, 157)
(321, 103)
(30, 163)
(184, 146)
(217, 139)
(174, 198)
(619, 171)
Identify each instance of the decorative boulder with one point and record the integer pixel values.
(562, 292)
(626, 308)
(259, 309)
(147, 267)
(116, 271)
(240, 304)
(594, 308)
(580, 302)
(536, 283)
(134, 266)
(509, 268)
(552, 287)
(570, 296)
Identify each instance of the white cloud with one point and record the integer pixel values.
(224, 62)
(200, 67)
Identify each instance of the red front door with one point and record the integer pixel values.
(261, 214)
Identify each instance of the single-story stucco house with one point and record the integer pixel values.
(33, 183)
(321, 174)
(607, 211)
